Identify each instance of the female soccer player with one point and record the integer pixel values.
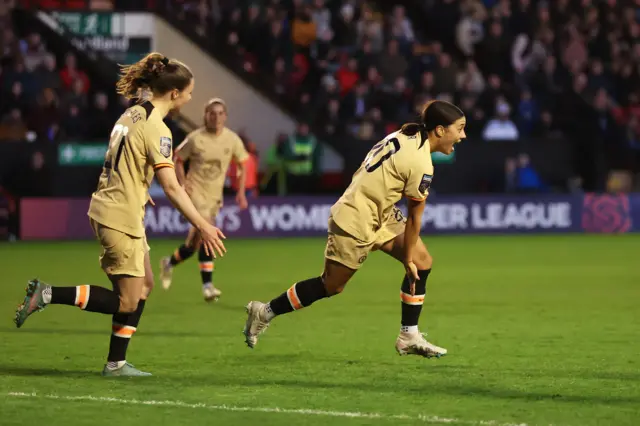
(365, 219)
(140, 146)
(209, 151)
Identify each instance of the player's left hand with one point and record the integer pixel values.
(151, 201)
(412, 274)
(241, 200)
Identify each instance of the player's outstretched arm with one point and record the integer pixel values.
(211, 236)
(411, 235)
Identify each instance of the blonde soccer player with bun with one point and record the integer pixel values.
(366, 219)
(140, 148)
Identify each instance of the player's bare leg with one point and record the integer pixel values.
(125, 325)
(87, 297)
(182, 253)
(121, 302)
(411, 341)
(300, 295)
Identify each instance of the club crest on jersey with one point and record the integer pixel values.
(425, 183)
(165, 146)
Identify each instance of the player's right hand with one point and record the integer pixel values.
(412, 274)
(212, 240)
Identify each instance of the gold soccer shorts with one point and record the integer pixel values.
(122, 254)
(352, 252)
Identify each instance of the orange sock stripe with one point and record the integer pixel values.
(82, 296)
(408, 299)
(206, 266)
(176, 254)
(124, 331)
(293, 298)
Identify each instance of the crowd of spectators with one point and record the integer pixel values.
(518, 68)
(514, 66)
(43, 97)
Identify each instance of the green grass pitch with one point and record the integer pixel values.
(540, 330)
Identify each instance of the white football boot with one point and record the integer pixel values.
(416, 344)
(166, 272)
(257, 322)
(209, 292)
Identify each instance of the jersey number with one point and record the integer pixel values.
(382, 151)
(118, 136)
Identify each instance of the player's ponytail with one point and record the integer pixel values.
(434, 113)
(154, 73)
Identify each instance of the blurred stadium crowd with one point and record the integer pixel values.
(565, 69)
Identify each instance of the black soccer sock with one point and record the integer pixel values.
(206, 266)
(87, 297)
(123, 327)
(181, 254)
(412, 305)
(300, 295)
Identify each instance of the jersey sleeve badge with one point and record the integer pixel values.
(165, 146)
(425, 183)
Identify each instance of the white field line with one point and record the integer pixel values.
(236, 408)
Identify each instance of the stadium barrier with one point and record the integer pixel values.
(46, 218)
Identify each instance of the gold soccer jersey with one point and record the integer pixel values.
(140, 143)
(397, 166)
(209, 157)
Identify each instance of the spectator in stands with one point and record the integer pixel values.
(71, 73)
(330, 120)
(15, 99)
(391, 64)
(33, 52)
(527, 113)
(9, 45)
(46, 74)
(501, 127)
(470, 31)
(369, 27)
(528, 180)
(346, 33)
(356, 103)
(100, 118)
(401, 27)
(510, 175)
(45, 118)
(321, 17)
(546, 127)
(12, 126)
(77, 95)
(493, 52)
(303, 29)
(74, 124)
(20, 74)
(470, 80)
(347, 75)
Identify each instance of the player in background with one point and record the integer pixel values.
(209, 151)
(365, 219)
(140, 146)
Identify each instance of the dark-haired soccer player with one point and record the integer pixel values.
(209, 151)
(365, 219)
(140, 146)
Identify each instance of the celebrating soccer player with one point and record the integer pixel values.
(140, 146)
(365, 219)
